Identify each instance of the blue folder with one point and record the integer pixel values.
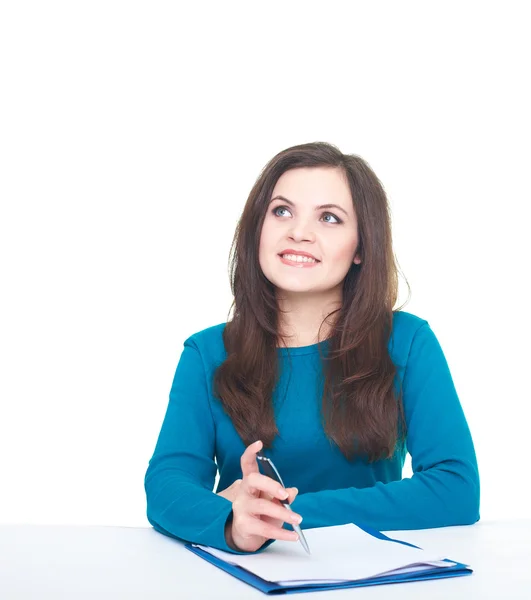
(269, 587)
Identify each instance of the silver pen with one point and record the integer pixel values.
(271, 471)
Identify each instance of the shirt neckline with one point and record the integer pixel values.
(301, 350)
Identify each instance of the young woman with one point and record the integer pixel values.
(317, 368)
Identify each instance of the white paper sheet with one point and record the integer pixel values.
(342, 552)
(415, 569)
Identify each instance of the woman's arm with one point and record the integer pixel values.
(444, 489)
(181, 474)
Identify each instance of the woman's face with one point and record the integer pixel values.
(295, 222)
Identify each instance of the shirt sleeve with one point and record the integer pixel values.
(444, 489)
(180, 478)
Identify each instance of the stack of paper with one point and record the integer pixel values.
(341, 556)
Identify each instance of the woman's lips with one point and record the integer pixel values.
(300, 265)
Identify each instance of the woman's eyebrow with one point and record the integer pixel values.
(316, 208)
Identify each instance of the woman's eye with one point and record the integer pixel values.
(278, 208)
(333, 216)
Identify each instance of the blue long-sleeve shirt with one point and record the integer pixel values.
(196, 433)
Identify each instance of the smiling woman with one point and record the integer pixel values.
(320, 368)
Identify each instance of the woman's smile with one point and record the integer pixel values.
(301, 263)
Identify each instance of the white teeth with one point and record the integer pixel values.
(297, 258)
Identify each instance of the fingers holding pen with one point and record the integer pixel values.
(254, 481)
(263, 507)
(266, 485)
(253, 533)
(257, 512)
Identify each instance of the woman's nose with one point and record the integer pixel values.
(302, 232)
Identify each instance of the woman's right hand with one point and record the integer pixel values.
(258, 515)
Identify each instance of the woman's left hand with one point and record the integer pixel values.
(230, 492)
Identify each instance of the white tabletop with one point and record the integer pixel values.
(81, 562)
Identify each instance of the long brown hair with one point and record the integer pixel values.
(361, 411)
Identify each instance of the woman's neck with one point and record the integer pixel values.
(303, 318)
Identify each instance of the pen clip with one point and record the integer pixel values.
(270, 468)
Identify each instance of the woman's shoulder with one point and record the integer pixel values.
(208, 342)
(405, 327)
(405, 321)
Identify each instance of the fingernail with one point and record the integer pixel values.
(282, 494)
(296, 519)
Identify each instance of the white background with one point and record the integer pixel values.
(130, 136)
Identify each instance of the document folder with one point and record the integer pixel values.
(345, 546)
